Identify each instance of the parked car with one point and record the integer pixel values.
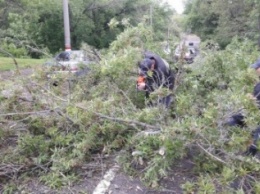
(187, 52)
(70, 65)
(68, 61)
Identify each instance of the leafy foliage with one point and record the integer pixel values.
(222, 21)
(37, 26)
(103, 114)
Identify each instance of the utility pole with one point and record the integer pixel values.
(151, 15)
(66, 25)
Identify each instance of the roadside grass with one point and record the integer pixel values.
(7, 63)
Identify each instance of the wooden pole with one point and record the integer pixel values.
(66, 25)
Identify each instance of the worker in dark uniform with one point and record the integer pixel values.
(154, 72)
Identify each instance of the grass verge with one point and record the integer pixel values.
(7, 63)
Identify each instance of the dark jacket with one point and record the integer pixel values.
(256, 93)
(162, 74)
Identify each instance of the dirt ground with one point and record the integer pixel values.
(121, 183)
(178, 175)
(6, 75)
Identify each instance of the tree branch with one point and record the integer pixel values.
(211, 155)
(128, 122)
(25, 113)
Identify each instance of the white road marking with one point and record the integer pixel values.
(104, 184)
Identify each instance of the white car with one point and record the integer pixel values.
(71, 61)
(71, 64)
(189, 53)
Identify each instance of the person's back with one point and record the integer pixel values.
(162, 65)
(256, 93)
(154, 72)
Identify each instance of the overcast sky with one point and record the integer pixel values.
(177, 5)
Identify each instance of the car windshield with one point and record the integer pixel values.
(70, 56)
(63, 56)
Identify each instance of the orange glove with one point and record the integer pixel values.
(140, 79)
(140, 83)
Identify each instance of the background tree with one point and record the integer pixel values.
(32, 23)
(221, 21)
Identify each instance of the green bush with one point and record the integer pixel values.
(14, 50)
(103, 114)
